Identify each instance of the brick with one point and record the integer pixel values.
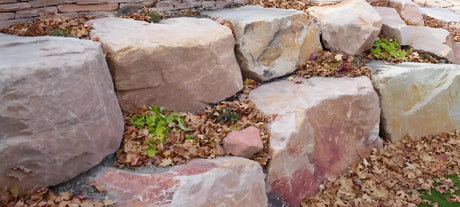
(208, 4)
(14, 7)
(98, 14)
(49, 10)
(222, 4)
(10, 22)
(87, 7)
(27, 13)
(7, 1)
(6, 16)
(41, 3)
(69, 14)
(96, 1)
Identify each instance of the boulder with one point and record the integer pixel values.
(436, 41)
(417, 99)
(435, 3)
(408, 10)
(352, 33)
(59, 114)
(320, 127)
(270, 42)
(181, 63)
(392, 23)
(442, 14)
(244, 143)
(224, 181)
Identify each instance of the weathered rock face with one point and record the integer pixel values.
(378, 2)
(392, 23)
(180, 64)
(244, 143)
(320, 128)
(442, 14)
(432, 40)
(352, 33)
(225, 181)
(417, 98)
(270, 42)
(408, 10)
(59, 114)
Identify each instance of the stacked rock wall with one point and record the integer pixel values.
(20, 11)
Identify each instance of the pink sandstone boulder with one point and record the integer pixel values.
(181, 63)
(224, 181)
(408, 10)
(352, 33)
(322, 126)
(392, 23)
(244, 143)
(59, 115)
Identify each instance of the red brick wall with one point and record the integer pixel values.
(20, 11)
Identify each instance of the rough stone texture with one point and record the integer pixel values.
(224, 181)
(7, 15)
(391, 23)
(322, 126)
(417, 98)
(432, 40)
(434, 3)
(352, 33)
(59, 112)
(244, 143)
(408, 10)
(270, 42)
(87, 7)
(181, 63)
(14, 7)
(14, 21)
(442, 14)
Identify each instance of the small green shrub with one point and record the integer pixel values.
(442, 199)
(384, 48)
(158, 124)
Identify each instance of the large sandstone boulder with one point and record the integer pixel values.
(442, 14)
(352, 33)
(181, 63)
(270, 42)
(417, 99)
(321, 127)
(224, 181)
(59, 114)
(408, 10)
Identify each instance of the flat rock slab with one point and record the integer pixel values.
(352, 33)
(417, 99)
(435, 3)
(320, 127)
(181, 63)
(442, 14)
(224, 181)
(392, 23)
(436, 41)
(270, 42)
(59, 114)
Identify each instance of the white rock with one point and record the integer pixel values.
(417, 99)
(352, 33)
(270, 42)
(442, 14)
(408, 10)
(391, 23)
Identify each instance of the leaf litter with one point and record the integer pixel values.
(400, 174)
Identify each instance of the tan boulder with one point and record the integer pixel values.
(350, 26)
(392, 23)
(59, 115)
(181, 63)
(417, 99)
(270, 42)
(408, 10)
(321, 127)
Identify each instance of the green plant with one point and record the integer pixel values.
(59, 32)
(155, 17)
(158, 124)
(384, 48)
(442, 198)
